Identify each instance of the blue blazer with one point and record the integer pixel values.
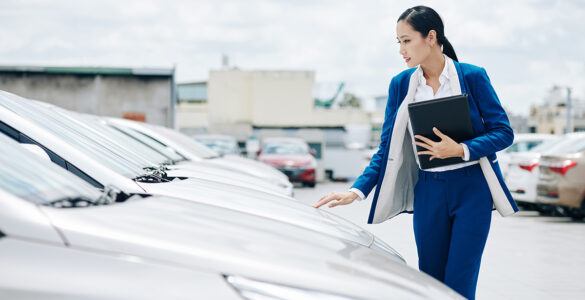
(490, 125)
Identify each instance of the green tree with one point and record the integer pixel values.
(350, 100)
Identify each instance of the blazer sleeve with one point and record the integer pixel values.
(498, 133)
(366, 182)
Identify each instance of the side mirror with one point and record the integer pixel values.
(313, 152)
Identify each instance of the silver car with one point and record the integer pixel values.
(197, 152)
(560, 183)
(61, 238)
(105, 164)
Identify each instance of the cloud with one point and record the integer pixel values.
(526, 46)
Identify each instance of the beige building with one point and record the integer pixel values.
(551, 116)
(271, 99)
(553, 119)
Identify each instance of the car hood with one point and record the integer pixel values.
(270, 206)
(202, 237)
(204, 170)
(249, 167)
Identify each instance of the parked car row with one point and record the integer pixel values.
(523, 142)
(291, 156)
(551, 177)
(103, 208)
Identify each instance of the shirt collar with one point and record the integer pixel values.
(444, 74)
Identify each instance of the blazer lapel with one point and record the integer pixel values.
(395, 198)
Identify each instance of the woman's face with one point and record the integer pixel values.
(413, 47)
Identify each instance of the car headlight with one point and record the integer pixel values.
(258, 290)
(381, 246)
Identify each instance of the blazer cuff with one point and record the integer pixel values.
(359, 193)
(465, 152)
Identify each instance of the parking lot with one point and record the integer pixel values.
(527, 256)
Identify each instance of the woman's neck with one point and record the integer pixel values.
(433, 66)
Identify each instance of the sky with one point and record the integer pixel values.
(525, 46)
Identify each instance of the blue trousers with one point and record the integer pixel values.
(452, 215)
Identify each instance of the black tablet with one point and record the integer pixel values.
(450, 115)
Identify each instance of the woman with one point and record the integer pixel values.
(452, 205)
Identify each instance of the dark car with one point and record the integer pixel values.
(292, 156)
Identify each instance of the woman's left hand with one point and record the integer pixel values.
(446, 148)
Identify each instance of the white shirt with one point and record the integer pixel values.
(424, 93)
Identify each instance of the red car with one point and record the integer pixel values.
(292, 156)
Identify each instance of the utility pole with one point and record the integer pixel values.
(568, 127)
(173, 105)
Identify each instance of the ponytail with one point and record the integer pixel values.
(448, 49)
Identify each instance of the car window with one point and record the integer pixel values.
(285, 148)
(523, 146)
(531, 144)
(27, 176)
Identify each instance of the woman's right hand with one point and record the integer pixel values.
(342, 199)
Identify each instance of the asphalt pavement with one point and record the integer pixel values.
(527, 256)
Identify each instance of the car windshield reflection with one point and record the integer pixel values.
(285, 148)
(29, 177)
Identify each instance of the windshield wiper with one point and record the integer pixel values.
(70, 202)
(110, 194)
(154, 175)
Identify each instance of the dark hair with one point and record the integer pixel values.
(424, 19)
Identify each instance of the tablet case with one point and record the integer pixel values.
(450, 115)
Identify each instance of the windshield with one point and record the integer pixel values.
(162, 149)
(185, 141)
(70, 132)
(124, 144)
(223, 146)
(285, 148)
(574, 145)
(544, 146)
(27, 176)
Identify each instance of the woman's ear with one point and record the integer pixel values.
(432, 37)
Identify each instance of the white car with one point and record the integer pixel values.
(62, 238)
(523, 170)
(522, 142)
(103, 164)
(193, 151)
(143, 154)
